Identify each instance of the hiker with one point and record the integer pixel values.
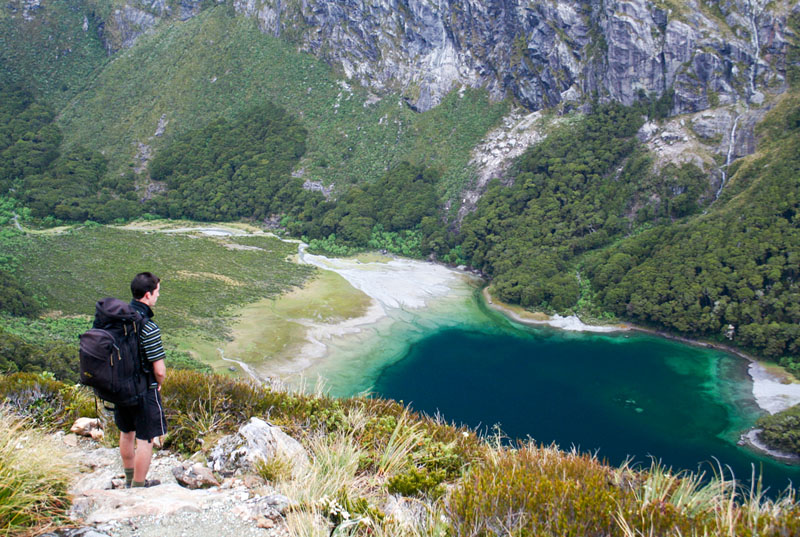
(139, 425)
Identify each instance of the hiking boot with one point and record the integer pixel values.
(149, 483)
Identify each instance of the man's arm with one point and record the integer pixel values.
(160, 372)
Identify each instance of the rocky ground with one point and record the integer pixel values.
(242, 505)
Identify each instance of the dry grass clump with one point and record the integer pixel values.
(33, 478)
(542, 491)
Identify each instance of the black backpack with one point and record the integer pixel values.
(110, 361)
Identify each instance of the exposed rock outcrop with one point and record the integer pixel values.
(255, 442)
(544, 53)
(541, 53)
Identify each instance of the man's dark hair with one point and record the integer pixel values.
(143, 283)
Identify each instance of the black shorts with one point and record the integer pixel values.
(147, 418)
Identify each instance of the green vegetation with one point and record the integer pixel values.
(204, 279)
(14, 298)
(218, 65)
(782, 430)
(51, 55)
(53, 185)
(736, 265)
(231, 170)
(575, 192)
(363, 449)
(380, 215)
(73, 269)
(56, 358)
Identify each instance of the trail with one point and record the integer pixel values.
(247, 369)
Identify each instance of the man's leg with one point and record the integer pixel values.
(144, 451)
(126, 451)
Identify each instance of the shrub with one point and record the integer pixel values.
(416, 481)
(534, 491)
(782, 430)
(45, 401)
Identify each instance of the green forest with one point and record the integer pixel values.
(582, 225)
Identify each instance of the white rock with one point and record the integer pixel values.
(256, 441)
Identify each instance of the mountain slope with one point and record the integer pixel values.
(184, 75)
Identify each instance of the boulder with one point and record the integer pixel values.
(256, 441)
(271, 507)
(195, 476)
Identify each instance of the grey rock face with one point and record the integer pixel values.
(543, 53)
(256, 441)
(126, 24)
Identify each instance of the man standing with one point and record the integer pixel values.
(140, 424)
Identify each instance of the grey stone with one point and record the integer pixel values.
(541, 53)
(195, 476)
(537, 51)
(255, 441)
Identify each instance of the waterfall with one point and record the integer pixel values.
(756, 8)
(724, 167)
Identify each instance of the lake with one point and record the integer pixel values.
(440, 348)
(620, 396)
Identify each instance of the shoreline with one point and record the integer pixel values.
(385, 281)
(772, 392)
(750, 439)
(571, 323)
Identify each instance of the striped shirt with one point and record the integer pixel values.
(150, 340)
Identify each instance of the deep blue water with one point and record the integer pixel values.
(621, 396)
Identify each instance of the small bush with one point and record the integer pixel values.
(539, 492)
(45, 401)
(418, 481)
(275, 470)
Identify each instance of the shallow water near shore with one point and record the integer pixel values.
(623, 395)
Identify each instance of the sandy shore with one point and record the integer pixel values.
(392, 284)
(571, 323)
(750, 438)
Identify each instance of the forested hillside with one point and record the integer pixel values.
(206, 117)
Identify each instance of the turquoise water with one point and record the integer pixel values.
(621, 395)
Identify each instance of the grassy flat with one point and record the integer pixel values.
(204, 277)
(272, 331)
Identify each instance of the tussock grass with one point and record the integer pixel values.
(378, 469)
(33, 478)
(335, 462)
(405, 438)
(543, 491)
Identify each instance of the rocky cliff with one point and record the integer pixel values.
(545, 53)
